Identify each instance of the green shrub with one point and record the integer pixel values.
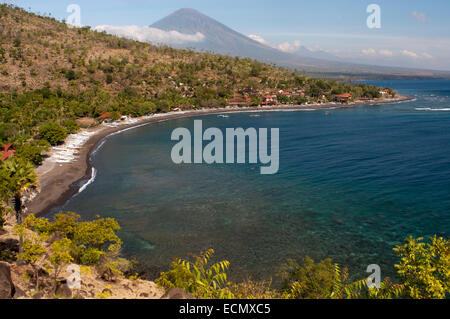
(65, 224)
(17, 42)
(8, 131)
(311, 280)
(33, 150)
(70, 75)
(92, 242)
(199, 278)
(425, 267)
(52, 132)
(89, 256)
(249, 289)
(71, 126)
(323, 280)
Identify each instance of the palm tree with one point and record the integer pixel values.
(22, 176)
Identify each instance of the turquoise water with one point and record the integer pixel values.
(352, 184)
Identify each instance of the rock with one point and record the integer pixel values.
(38, 295)
(144, 295)
(20, 294)
(64, 291)
(79, 295)
(7, 289)
(177, 293)
(8, 247)
(21, 271)
(10, 244)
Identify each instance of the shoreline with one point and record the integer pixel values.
(58, 180)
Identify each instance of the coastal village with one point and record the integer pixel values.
(296, 96)
(252, 98)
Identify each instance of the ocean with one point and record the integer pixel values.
(352, 184)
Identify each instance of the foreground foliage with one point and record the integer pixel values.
(323, 280)
(199, 278)
(53, 244)
(16, 176)
(424, 272)
(425, 267)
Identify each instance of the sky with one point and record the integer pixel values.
(412, 33)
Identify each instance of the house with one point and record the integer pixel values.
(287, 93)
(107, 117)
(7, 152)
(343, 98)
(269, 100)
(238, 102)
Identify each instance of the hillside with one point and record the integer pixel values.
(38, 50)
(35, 50)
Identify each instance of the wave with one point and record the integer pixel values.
(432, 109)
(90, 181)
(99, 146)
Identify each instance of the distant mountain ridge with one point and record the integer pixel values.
(223, 40)
(219, 38)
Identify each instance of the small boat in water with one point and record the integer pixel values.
(224, 116)
(255, 115)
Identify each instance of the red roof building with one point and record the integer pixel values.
(238, 102)
(105, 116)
(343, 97)
(269, 100)
(108, 116)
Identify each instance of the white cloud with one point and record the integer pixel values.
(386, 53)
(419, 16)
(259, 39)
(409, 54)
(148, 34)
(290, 47)
(285, 46)
(369, 51)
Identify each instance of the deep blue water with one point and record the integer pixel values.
(352, 184)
